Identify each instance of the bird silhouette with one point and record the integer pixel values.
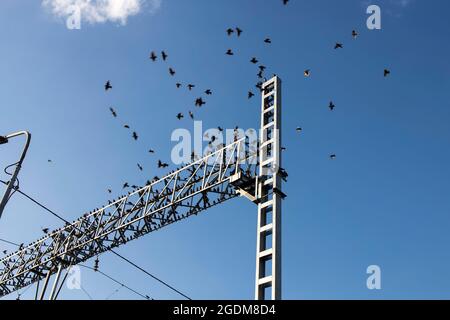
(229, 52)
(162, 164)
(354, 34)
(208, 92)
(250, 94)
(126, 126)
(331, 106)
(113, 112)
(268, 40)
(151, 151)
(238, 31)
(307, 73)
(126, 185)
(332, 156)
(109, 191)
(178, 85)
(45, 230)
(285, 2)
(180, 116)
(191, 86)
(108, 85)
(199, 102)
(135, 136)
(338, 45)
(299, 129)
(386, 72)
(153, 56)
(191, 114)
(164, 55)
(254, 60)
(230, 31)
(140, 167)
(172, 72)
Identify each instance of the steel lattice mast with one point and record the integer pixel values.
(219, 176)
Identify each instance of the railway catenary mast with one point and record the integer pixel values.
(225, 174)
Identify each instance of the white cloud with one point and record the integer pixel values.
(100, 11)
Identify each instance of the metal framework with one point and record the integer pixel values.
(219, 176)
(268, 235)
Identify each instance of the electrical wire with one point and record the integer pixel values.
(112, 251)
(9, 242)
(117, 281)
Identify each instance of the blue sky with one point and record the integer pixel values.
(384, 201)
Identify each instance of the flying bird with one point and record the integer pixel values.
(180, 116)
(151, 151)
(162, 164)
(113, 112)
(108, 85)
(109, 191)
(229, 52)
(299, 129)
(153, 56)
(332, 156)
(191, 114)
(45, 230)
(126, 185)
(238, 31)
(140, 167)
(230, 31)
(250, 94)
(171, 72)
(164, 55)
(338, 45)
(268, 40)
(331, 106)
(285, 2)
(135, 136)
(386, 72)
(208, 92)
(191, 86)
(199, 102)
(178, 85)
(254, 60)
(307, 73)
(126, 126)
(354, 34)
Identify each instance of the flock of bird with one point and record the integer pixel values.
(200, 101)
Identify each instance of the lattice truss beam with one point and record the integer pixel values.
(179, 195)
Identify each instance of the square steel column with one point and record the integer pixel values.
(268, 251)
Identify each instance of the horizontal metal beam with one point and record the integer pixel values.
(179, 195)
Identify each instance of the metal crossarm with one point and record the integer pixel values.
(179, 195)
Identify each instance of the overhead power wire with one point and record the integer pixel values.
(112, 251)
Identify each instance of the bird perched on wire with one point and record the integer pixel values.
(108, 85)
